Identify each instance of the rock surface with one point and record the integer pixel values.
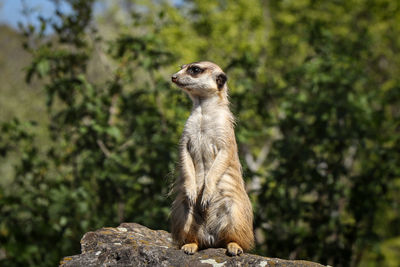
(132, 244)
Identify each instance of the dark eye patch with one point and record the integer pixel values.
(194, 70)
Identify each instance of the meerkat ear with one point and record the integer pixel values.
(221, 80)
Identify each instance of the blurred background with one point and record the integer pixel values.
(89, 121)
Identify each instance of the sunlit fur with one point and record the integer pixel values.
(211, 208)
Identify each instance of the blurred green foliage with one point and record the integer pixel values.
(315, 89)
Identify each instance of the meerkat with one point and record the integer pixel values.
(212, 208)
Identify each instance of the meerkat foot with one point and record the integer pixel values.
(233, 249)
(190, 248)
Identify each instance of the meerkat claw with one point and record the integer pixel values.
(191, 195)
(205, 203)
(206, 198)
(191, 200)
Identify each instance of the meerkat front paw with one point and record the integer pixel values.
(206, 197)
(233, 249)
(191, 195)
(190, 248)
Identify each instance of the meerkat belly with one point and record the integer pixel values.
(203, 153)
(202, 147)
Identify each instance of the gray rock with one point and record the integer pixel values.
(132, 244)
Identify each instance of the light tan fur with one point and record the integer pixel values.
(211, 208)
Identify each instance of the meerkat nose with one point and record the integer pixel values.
(174, 78)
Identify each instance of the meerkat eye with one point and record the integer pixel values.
(195, 70)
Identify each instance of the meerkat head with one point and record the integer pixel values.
(202, 79)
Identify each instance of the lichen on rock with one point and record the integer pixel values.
(132, 244)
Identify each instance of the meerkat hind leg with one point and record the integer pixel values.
(190, 248)
(233, 249)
